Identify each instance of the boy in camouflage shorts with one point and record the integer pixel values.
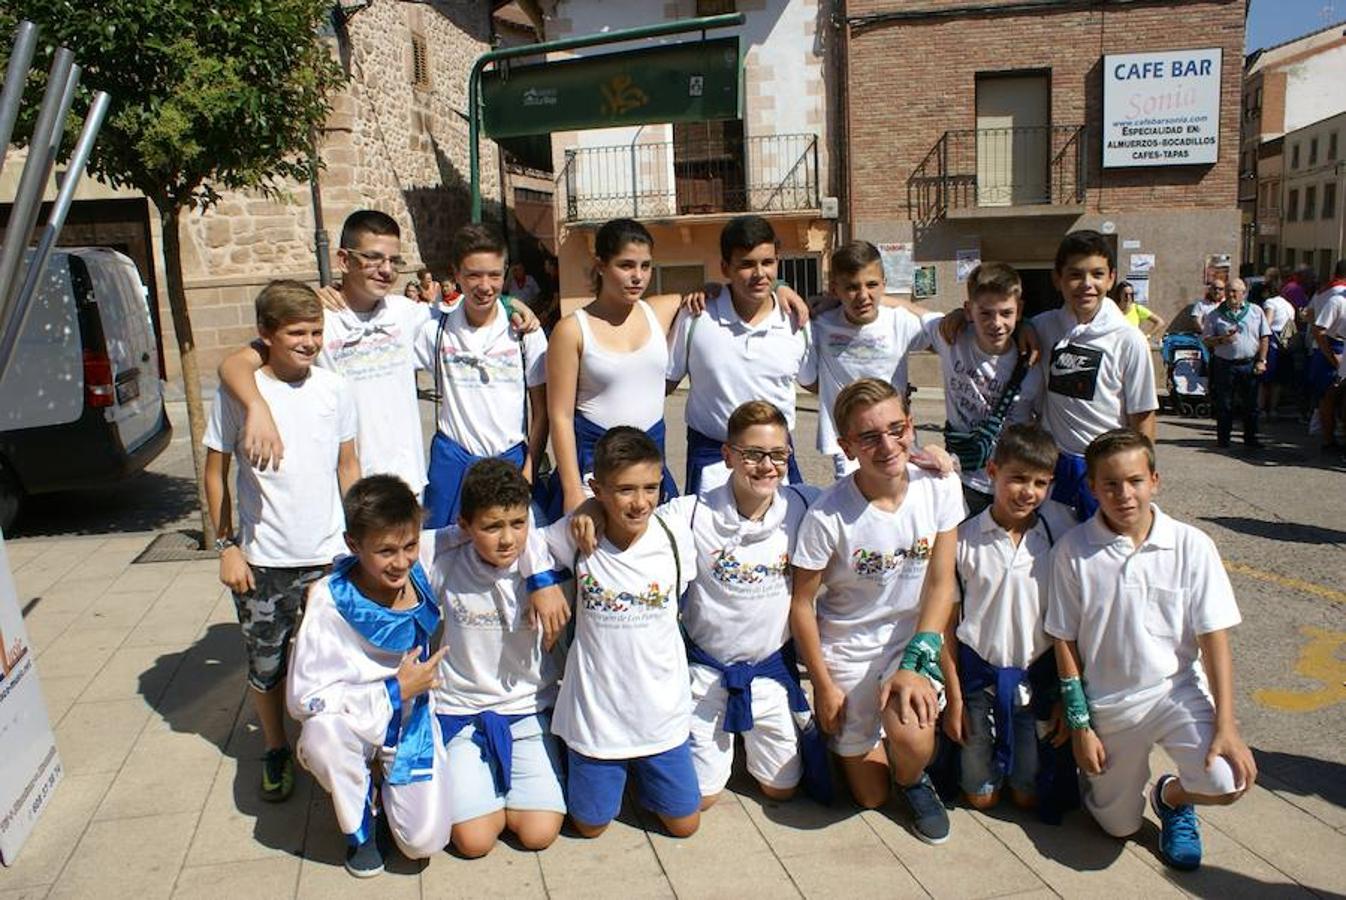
(290, 519)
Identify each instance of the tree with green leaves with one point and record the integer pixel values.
(207, 96)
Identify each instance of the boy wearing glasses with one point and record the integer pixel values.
(370, 342)
(735, 614)
(881, 540)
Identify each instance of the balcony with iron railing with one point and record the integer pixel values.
(991, 172)
(763, 174)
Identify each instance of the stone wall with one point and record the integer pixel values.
(389, 144)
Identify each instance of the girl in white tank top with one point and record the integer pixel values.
(606, 362)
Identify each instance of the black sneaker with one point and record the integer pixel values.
(930, 821)
(365, 860)
(277, 775)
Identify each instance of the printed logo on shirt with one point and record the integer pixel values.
(316, 705)
(599, 599)
(849, 347)
(1074, 371)
(878, 563)
(369, 353)
(469, 619)
(726, 569)
(468, 368)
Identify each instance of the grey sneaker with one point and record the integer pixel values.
(365, 860)
(930, 821)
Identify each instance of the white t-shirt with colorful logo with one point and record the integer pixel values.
(373, 351)
(874, 562)
(626, 691)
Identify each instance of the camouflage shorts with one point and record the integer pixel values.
(269, 615)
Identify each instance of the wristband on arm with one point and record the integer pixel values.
(1077, 706)
(922, 655)
(508, 303)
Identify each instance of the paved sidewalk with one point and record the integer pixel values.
(142, 670)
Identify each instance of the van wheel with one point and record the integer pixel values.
(11, 499)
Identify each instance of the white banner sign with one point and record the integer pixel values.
(29, 765)
(1161, 109)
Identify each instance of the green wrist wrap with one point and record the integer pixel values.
(1077, 706)
(922, 655)
(507, 302)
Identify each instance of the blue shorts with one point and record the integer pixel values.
(1071, 486)
(665, 782)
(535, 772)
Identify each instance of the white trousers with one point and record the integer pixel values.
(418, 813)
(1183, 725)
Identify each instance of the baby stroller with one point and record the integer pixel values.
(1187, 364)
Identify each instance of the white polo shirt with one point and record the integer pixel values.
(731, 362)
(374, 352)
(1004, 586)
(1098, 374)
(484, 374)
(842, 351)
(495, 659)
(626, 690)
(1135, 613)
(1279, 313)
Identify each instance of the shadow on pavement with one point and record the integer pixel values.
(1305, 776)
(205, 694)
(148, 501)
(1291, 532)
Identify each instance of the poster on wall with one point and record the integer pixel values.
(1161, 109)
(924, 283)
(1217, 266)
(964, 261)
(1138, 275)
(32, 767)
(897, 267)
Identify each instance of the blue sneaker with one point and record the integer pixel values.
(930, 821)
(1180, 833)
(365, 860)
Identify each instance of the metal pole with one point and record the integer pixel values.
(36, 170)
(322, 248)
(79, 158)
(680, 26)
(20, 58)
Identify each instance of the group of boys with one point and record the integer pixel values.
(691, 618)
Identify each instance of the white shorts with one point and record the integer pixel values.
(862, 722)
(771, 745)
(1183, 726)
(535, 782)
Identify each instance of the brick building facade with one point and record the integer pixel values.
(916, 73)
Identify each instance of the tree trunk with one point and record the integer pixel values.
(191, 376)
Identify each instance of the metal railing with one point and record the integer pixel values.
(763, 173)
(993, 167)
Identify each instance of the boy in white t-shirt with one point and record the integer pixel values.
(497, 683)
(746, 346)
(369, 332)
(1329, 330)
(1006, 675)
(862, 338)
(736, 614)
(490, 377)
(1136, 599)
(987, 380)
(625, 705)
(361, 678)
(880, 540)
(370, 343)
(290, 521)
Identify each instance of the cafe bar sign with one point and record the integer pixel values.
(1161, 109)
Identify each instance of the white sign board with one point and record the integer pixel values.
(29, 764)
(1161, 109)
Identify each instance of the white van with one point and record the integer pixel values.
(81, 403)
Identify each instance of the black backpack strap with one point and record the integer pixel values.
(439, 343)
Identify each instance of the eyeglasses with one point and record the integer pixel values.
(755, 455)
(870, 440)
(374, 260)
